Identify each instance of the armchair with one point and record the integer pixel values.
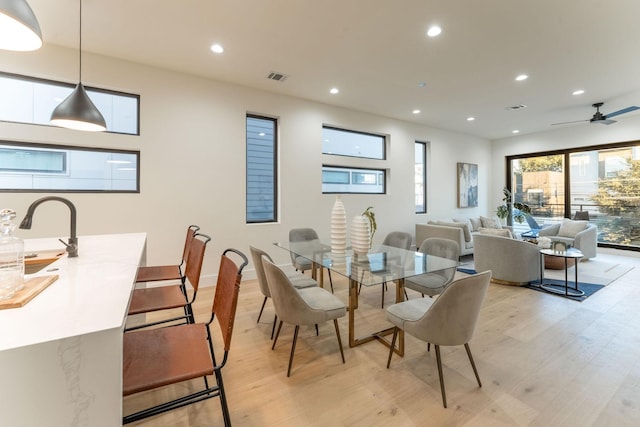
(581, 235)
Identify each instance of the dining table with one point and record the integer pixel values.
(379, 265)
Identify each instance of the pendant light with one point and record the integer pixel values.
(19, 28)
(78, 111)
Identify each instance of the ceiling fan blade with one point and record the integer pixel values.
(604, 121)
(566, 123)
(623, 111)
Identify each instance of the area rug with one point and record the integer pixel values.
(593, 275)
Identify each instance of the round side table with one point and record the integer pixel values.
(569, 254)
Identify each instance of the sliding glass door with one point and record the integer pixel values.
(600, 184)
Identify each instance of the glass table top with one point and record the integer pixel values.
(381, 264)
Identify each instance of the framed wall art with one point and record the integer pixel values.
(467, 185)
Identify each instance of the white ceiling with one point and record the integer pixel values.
(376, 52)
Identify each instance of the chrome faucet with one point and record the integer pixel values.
(72, 246)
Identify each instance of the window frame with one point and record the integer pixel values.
(68, 168)
(383, 140)
(381, 179)
(71, 86)
(423, 176)
(275, 154)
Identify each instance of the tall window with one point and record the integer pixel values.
(261, 169)
(30, 100)
(421, 177)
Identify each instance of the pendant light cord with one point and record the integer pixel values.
(80, 39)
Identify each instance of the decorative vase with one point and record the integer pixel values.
(360, 235)
(338, 227)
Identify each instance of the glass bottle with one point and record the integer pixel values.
(11, 256)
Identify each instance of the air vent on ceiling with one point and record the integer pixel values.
(279, 77)
(516, 107)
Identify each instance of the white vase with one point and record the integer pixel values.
(338, 227)
(360, 235)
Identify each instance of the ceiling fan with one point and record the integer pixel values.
(598, 117)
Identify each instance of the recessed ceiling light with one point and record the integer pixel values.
(334, 90)
(434, 31)
(470, 119)
(515, 131)
(578, 92)
(216, 48)
(522, 77)
(416, 111)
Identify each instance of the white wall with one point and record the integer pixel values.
(569, 136)
(192, 147)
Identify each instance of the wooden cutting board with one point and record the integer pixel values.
(32, 287)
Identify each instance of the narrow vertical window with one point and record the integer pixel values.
(421, 177)
(261, 169)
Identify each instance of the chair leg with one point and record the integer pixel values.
(261, 308)
(384, 285)
(275, 340)
(293, 349)
(439, 360)
(317, 330)
(428, 346)
(473, 365)
(223, 399)
(335, 322)
(330, 281)
(273, 328)
(392, 346)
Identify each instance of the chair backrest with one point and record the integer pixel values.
(301, 235)
(398, 239)
(289, 305)
(256, 257)
(195, 259)
(581, 215)
(452, 318)
(443, 248)
(533, 224)
(225, 300)
(191, 231)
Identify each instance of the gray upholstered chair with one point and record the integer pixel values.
(582, 235)
(299, 281)
(396, 239)
(309, 306)
(511, 261)
(434, 283)
(447, 320)
(301, 263)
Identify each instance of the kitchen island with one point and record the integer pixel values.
(61, 353)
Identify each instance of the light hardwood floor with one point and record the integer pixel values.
(543, 361)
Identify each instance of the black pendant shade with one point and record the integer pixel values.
(78, 112)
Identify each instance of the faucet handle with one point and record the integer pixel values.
(72, 248)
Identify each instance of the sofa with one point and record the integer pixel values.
(581, 235)
(511, 261)
(460, 230)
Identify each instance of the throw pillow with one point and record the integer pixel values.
(489, 222)
(475, 224)
(502, 232)
(464, 226)
(569, 228)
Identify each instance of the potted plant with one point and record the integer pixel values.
(517, 210)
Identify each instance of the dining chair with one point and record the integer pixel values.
(147, 300)
(396, 239)
(155, 358)
(299, 262)
(433, 283)
(309, 306)
(448, 320)
(156, 273)
(299, 280)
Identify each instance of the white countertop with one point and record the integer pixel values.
(91, 295)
